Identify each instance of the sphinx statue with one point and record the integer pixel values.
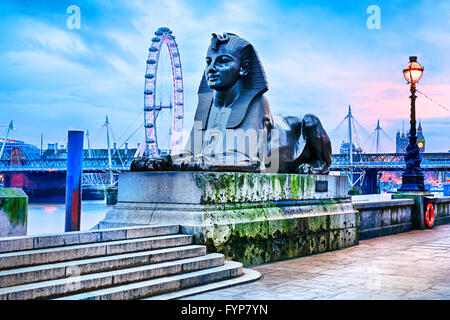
(234, 129)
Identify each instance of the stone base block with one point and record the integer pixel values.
(417, 213)
(251, 218)
(442, 211)
(13, 212)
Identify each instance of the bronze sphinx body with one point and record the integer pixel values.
(234, 129)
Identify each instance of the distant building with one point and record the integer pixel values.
(420, 138)
(54, 152)
(345, 148)
(402, 140)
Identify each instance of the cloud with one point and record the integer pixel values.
(51, 38)
(319, 58)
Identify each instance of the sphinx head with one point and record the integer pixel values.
(227, 61)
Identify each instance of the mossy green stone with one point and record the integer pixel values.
(15, 209)
(14, 203)
(294, 187)
(317, 223)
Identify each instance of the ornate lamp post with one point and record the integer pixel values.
(412, 177)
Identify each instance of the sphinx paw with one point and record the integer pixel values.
(315, 167)
(138, 164)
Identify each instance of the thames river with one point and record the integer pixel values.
(50, 218)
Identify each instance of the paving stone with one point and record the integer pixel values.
(410, 265)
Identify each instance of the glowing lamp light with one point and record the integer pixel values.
(413, 71)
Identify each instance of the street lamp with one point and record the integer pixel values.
(412, 177)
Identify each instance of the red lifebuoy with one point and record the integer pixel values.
(429, 215)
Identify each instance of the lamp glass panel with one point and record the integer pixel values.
(413, 72)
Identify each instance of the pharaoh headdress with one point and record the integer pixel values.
(253, 84)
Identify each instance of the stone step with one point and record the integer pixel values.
(162, 285)
(21, 243)
(117, 278)
(68, 253)
(248, 275)
(15, 277)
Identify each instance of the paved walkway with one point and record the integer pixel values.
(412, 265)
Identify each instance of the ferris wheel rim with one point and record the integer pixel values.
(163, 36)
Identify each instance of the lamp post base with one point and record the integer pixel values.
(412, 182)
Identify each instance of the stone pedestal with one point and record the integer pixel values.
(13, 212)
(250, 217)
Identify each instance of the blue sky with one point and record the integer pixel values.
(319, 57)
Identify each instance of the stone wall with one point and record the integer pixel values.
(381, 218)
(256, 234)
(13, 212)
(442, 211)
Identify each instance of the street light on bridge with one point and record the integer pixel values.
(412, 177)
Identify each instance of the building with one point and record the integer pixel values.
(55, 152)
(345, 148)
(420, 138)
(402, 140)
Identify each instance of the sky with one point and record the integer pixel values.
(319, 57)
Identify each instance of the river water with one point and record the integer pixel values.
(50, 218)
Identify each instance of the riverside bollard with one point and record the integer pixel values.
(73, 180)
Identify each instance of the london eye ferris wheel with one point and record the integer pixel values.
(163, 95)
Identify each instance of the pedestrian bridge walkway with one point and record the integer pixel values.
(410, 265)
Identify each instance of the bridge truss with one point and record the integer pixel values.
(364, 170)
(98, 162)
(389, 161)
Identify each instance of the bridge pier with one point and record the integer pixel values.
(39, 186)
(370, 185)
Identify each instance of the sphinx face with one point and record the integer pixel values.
(222, 70)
